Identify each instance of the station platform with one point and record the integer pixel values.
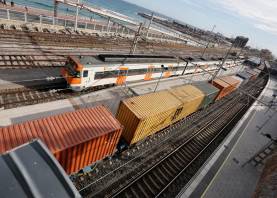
(109, 97)
(230, 171)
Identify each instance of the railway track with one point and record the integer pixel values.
(160, 178)
(25, 43)
(51, 57)
(44, 91)
(12, 98)
(186, 145)
(33, 61)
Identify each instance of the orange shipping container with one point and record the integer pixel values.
(76, 139)
(225, 84)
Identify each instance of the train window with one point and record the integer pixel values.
(137, 71)
(106, 74)
(85, 73)
(122, 72)
(70, 66)
(77, 74)
(130, 72)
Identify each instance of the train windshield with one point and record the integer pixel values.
(71, 68)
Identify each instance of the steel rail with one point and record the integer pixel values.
(174, 151)
(125, 164)
(219, 133)
(174, 128)
(86, 187)
(218, 104)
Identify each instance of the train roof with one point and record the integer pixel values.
(138, 58)
(267, 64)
(30, 170)
(254, 60)
(128, 59)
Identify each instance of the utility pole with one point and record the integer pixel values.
(208, 42)
(55, 8)
(240, 41)
(76, 17)
(183, 73)
(223, 61)
(163, 69)
(108, 24)
(150, 22)
(135, 41)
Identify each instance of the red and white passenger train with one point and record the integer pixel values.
(89, 71)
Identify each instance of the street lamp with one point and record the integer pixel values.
(163, 69)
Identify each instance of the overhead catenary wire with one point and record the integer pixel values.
(124, 164)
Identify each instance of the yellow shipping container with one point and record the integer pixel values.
(144, 115)
(190, 96)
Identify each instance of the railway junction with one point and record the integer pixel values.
(155, 114)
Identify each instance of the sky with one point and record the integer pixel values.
(255, 19)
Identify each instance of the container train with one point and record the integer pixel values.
(80, 138)
(105, 69)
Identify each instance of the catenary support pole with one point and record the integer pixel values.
(149, 25)
(76, 17)
(207, 43)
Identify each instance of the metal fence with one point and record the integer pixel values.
(99, 26)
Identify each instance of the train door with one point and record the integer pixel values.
(122, 75)
(148, 75)
(167, 73)
(87, 77)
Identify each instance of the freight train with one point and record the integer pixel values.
(105, 69)
(80, 138)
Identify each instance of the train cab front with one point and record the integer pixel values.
(72, 73)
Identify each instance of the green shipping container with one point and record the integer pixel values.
(209, 91)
